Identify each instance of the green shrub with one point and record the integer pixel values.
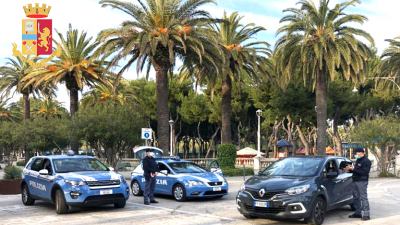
(21, 163)
(232, 172)
(12, 173)
(226, 155)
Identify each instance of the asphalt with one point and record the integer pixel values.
(384, 197)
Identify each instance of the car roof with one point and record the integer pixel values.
(65, 156)
(326, 157)
(170, 160)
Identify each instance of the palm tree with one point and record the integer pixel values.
(319, 43)
(76, 66)
(390, 69)
(156, 34)
(104, 94)
(49, 108)
(11, 76)
(242, 57)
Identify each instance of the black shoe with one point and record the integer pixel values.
(153, 201)
(364, 218)
(147, 203)
(355, 216)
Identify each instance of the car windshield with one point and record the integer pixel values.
(186, 167)
(78, 164)
(298, 167)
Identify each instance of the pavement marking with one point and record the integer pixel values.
(181, 211)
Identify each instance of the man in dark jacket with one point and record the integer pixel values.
(360, 184)
(150, 168)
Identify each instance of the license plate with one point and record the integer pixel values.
(217, 189)
(261, 204)
(106, 192)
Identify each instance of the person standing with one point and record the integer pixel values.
(361, 171)
(150, 168)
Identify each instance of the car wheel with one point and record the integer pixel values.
(61, 206)
(317, 214)
(135, 187)
(352, 207)
(26, 197)
(120, 204)
(179, 193)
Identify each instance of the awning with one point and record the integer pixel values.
(247, 151)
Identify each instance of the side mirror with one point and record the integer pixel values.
(165, 172)
(111, 168)
(44, 172)
(332, 174)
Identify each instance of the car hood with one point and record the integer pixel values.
(91, 175)
(204, 177)
(275, 182)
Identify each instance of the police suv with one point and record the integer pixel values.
(72, 180)
(181, 179)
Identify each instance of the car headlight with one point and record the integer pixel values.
(194, 183)
(122, 179)
(298, 189)
(243, 187)
(75, 183)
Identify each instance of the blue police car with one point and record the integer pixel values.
(181, 179)
(72, 180)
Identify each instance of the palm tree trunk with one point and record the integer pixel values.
(73, 108)
(162, 106)
(226, 111)
(321, 108)
(27, 106)
(73, 101)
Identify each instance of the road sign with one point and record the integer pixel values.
(146, 133)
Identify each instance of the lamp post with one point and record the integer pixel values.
(258, 112)
(171, 124)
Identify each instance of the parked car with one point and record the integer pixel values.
(297, 188)
(72, 180)
(181, 179)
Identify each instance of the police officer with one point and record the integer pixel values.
(360, 184)
(150, 168)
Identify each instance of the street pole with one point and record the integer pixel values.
(171, 146)
(258, 112)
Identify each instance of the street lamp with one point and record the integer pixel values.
(171, 124)
(258, 112)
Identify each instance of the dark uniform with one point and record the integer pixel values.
(150, 168)
(361, 171)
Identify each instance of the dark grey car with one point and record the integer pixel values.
(297, 188)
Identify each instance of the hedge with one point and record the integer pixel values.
(232, 172)
(226, 155)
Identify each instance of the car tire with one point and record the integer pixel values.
(179, 193)
(317, 214)
(61, 206)
(135, 188)
(120, 204)
(26, 196)
(352, 207)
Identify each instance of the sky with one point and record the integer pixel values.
(88, 15)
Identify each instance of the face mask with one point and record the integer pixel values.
(357, 157)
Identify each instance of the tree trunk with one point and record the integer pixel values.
(27, 106)
(73, 108)
(162, 105)
(321, 108)
(212, 143)
(226, 111)
(303, 140)
(336, 136)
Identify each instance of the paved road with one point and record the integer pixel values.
(384, 200)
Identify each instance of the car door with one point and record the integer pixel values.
(32, 176)
(345, 193)
(164, 181)
(46, 180)
(332, 184)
